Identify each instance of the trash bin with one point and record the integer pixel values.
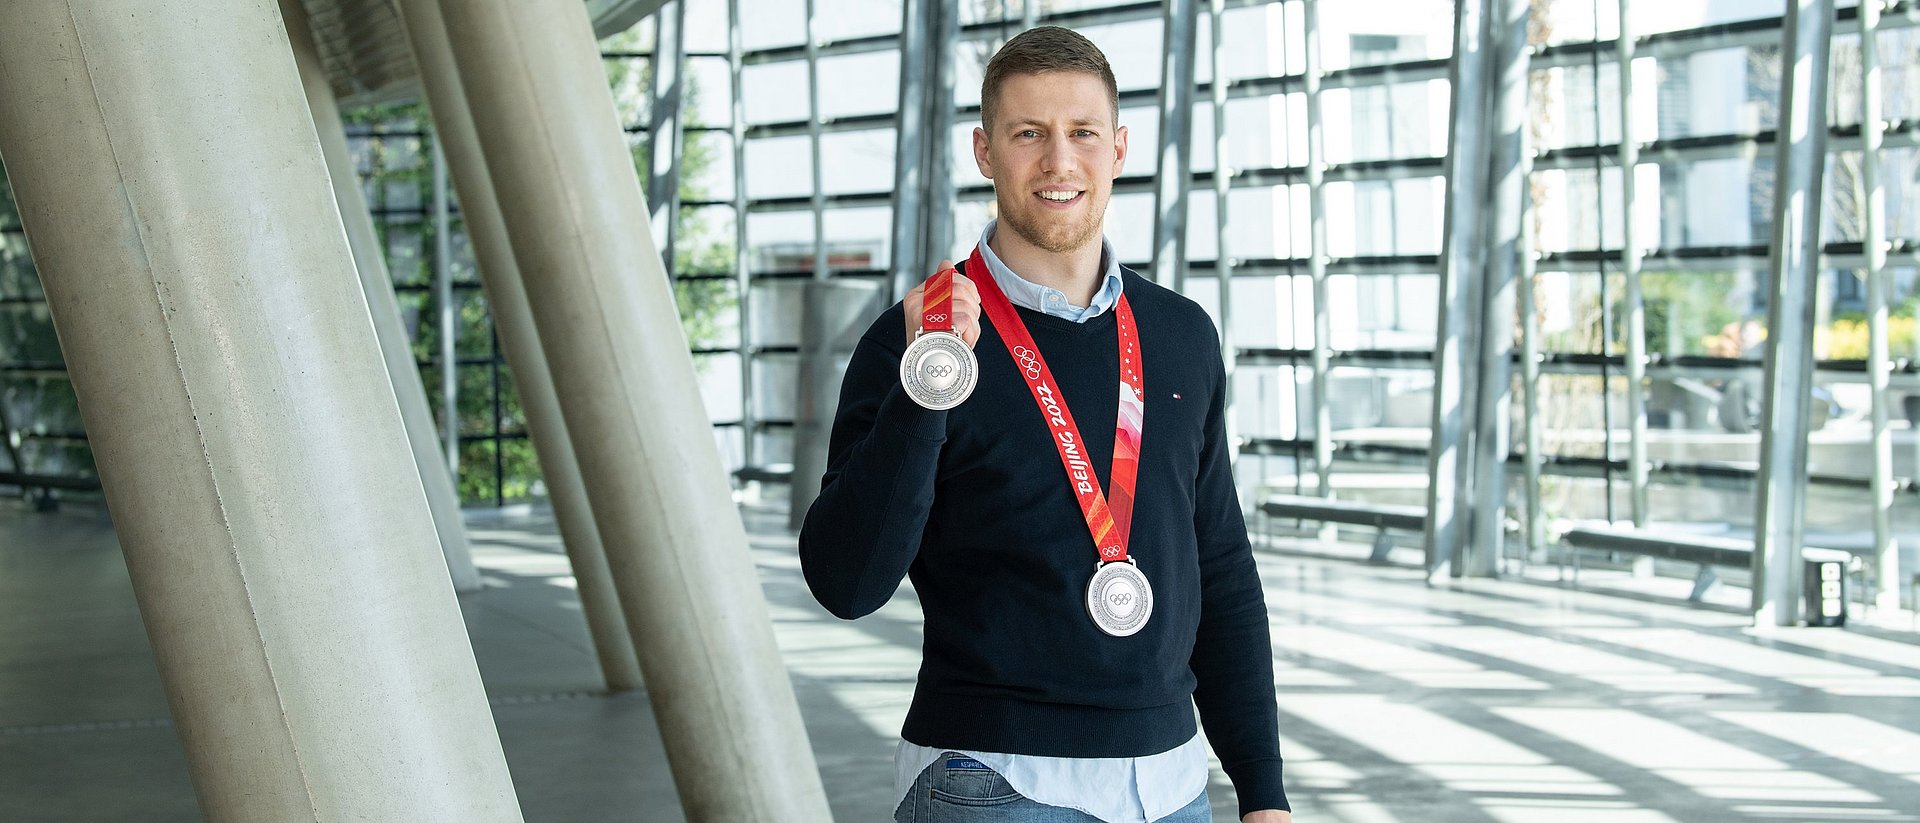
(1825, 583)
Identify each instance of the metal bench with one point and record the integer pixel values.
(1708, 551)
(1385, 518)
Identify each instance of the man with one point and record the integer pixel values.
(1043, 696)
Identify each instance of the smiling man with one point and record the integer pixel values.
(1083, 593)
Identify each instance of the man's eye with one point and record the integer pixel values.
(1082, 133)
(1029, 133)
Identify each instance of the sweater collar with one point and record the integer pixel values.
(1050, 301)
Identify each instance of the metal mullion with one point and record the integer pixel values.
(1763, 31)
(1174, 171)
(836, 125)
(936, 240)
(909, 155)
(832, 48)
(666, 141)
(1800, 166)
(1636, 314)
(1317, 251)
(742, 274)
(1222, 181)
(1886, 552)
(1829, 259)
(818, 203)
(1683, 150)
(443, 295)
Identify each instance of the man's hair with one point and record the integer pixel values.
(1038, 51)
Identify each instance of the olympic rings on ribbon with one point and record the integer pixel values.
(1029, 361)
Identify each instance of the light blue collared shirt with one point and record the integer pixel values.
(1112, 789)
(1030, 295)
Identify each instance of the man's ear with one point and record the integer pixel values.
(1119, 150)
(980, 156)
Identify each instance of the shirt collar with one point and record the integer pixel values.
(1030, 295)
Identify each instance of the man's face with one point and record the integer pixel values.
(1052, 153)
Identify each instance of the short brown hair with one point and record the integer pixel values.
(1040, 50)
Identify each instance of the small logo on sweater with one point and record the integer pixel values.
(1176, 395)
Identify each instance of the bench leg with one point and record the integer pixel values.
(1382, 546)
(1702, 583)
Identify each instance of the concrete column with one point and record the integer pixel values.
(513, 319)
(396, 348)
(1462, 255)
(247, 438)
(1485, 543)
(1173, 178)
(606, 317)
(1799, 169)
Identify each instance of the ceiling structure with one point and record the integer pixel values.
(366, 55)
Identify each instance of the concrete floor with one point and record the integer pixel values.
(1490, 702)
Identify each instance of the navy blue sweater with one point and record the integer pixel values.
(974, 506)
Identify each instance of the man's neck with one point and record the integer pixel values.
(1074, 273)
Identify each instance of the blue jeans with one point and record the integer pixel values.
(943, 795)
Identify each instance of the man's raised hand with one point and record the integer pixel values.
(966, 307)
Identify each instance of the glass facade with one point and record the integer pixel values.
(788, 120)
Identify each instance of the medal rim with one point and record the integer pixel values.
(1132, 570)
(939, 340)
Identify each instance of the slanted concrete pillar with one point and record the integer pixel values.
(538, 93)
(395, 346)
(513, 319)
(248, 441)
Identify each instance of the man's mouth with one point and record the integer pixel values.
(1060, 197)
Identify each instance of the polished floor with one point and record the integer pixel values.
(1494, 701)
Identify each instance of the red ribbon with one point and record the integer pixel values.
(936, 303)
(1110, 523)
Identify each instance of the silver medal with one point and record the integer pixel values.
(939, 370)
(1119, 598)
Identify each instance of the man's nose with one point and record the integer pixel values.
(1057, 157)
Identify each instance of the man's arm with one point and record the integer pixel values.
(864, 529)
(1233, 654)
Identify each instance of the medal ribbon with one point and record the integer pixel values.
(1110, 521)
(936, 303)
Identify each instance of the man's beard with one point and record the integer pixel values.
(1052, 234)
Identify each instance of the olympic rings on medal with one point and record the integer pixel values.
(1029, 361)
(937, 371)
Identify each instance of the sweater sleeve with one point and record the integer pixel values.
(1233, 653)
(864, 529)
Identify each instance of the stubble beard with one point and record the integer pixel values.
(1053, 235)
